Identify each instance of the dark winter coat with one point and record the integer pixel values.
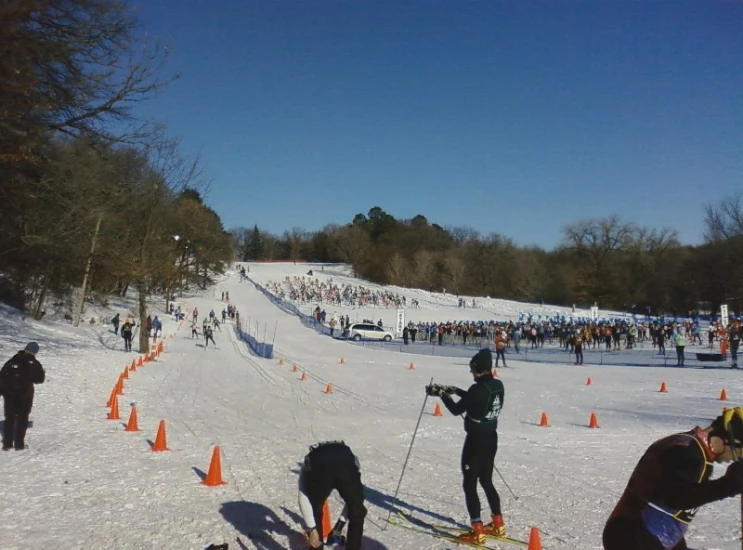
(481, 403)
(19, 374)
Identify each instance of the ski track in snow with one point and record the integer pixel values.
(85, 483)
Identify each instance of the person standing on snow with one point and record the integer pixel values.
(332, 465)
(481, 405)
(126, 333)
(115, 322)
(671, 481)
(17, 379)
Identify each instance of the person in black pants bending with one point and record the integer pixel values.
(332, 465)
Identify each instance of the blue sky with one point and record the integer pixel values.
(513, 117)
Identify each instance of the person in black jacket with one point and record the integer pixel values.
(17, 379)
(481, 405)
(332, 465)
(671, 481)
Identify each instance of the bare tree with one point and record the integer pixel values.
(530, 276)
(88, 65)
(595, 240)
(397, 270)
(354, 245)
(724, 220)
(456, 269)
(596, 244)
(423, 264)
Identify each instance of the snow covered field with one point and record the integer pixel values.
(85, 483)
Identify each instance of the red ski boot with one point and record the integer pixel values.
(475, 536)
(496, 527)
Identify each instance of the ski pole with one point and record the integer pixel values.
(405, 464)
(737, 456)
(505, 483)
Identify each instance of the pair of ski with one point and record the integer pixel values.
(448, 532)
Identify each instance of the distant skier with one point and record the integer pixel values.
(671, 481)
(208, 335)
(332, 465)
(194, 330)
(481, 405)
(115, 322)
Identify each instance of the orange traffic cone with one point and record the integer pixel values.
(303, 377)
(160, 348)
(214, 475)
(120, 386)
(139, 361)
(281, 361)
(294, 368)
(342, 361)
(543, 422)
(325, 519)
(723, 395)
(113, 414)
(589, 381)
(133, 366)
(112, 396)
(328, 389)
(437, 410)
(534, 542)
(593, 421)
(411, 366)
(131, 426)
(663, 388)
(125, 374)
(495, 373)
(160, 443)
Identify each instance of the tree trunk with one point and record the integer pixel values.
(41, 298)
(87, 270)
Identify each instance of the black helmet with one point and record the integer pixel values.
(482, 361)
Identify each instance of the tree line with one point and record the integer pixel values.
(91, 194)
(610, 262)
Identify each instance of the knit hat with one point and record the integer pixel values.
(482, 361)
(32, 347)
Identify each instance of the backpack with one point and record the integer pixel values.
(11, 377)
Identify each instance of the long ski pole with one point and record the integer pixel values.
(405, 464)
(737, 456)
(506, 483)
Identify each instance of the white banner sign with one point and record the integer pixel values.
(724, 314)
(400, 322)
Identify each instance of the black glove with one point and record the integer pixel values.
(734, 473)
(439, 390)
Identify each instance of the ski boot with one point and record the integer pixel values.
(475, 536)
(496, 527)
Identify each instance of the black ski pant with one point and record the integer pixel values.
(630, 534)
(128, 343)
(344, 476)
(478, 457)
(502, 354)
(578, 355)
(16, 408)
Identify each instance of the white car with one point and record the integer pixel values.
(368, 331)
